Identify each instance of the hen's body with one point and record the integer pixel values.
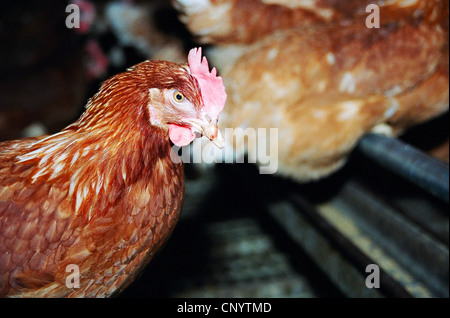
(120, 219)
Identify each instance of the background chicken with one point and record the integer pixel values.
(315, 71)
(103, 194)
(152, 27)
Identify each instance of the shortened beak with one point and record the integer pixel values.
(208, 129)
(212, 132)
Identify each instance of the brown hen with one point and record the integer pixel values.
(102, 196)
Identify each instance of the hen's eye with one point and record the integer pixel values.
(179, 97)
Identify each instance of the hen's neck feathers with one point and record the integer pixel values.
(116, 124)
(111, 146)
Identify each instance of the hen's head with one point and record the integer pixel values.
(186, 99)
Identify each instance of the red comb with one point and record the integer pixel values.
(211, 85)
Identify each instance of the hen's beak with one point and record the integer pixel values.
(212, 132)
(208, 129)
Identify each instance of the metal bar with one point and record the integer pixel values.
(418, 252)
(390, 286)
(424, 171)
(334, 253)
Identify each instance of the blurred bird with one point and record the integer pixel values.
(319, 74)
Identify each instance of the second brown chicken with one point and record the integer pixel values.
(321, 76)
